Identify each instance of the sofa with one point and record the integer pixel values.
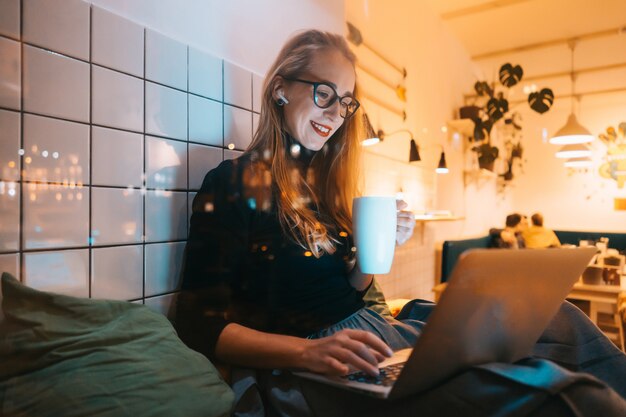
(452, 249)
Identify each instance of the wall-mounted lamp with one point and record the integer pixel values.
(374, 137)
(442, 167)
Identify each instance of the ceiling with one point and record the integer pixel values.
(484, 26)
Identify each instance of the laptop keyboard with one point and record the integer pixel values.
(386, 378)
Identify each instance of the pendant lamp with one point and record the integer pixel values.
(576, 150)
(442, 167)
(573, 132)
(578, 162)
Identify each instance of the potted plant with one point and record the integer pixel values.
(487, 155)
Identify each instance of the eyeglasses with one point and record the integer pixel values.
(325, 95)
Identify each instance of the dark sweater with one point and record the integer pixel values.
(241, 268)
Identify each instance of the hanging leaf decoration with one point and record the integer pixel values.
(496, 108)
(482, 89)
(541, 101)
(510, 75)
(481, 128)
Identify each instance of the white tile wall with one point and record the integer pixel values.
(257, 89)
(10, 263)
(117, 157)
(82, 209)
(202, 159)
(112, 279)
(55, 216)
(205, 74)
(55, 150)
(166, 112)
(117, 99)
(10, 18)
(205, 121)
(65, 272)
(166, 60)
(237, 86)
(10, 160)
(166, 214)
(10, 215)
(59, 25)
(10, 87)
(166, 163)
(237, 128)
(164, 263)
(164, 304)
(116, 42)
(116, 216)
(55, 85)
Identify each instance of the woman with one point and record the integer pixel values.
(270, 279)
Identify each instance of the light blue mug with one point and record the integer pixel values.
(374, 224)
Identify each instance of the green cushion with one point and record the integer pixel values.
(67, 356)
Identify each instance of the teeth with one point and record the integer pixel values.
(321, 128)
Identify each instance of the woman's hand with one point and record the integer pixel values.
(406, 223)
(345, 351)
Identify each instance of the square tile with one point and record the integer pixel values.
(166, 112)
(205, 121)
(117, 99)
(10, 215)
(257, 92)
(55, 85)
(10, 160)
(205, 74)
(55, 216)
(237, 128)
(116, 216)
(166, 164)
(164, 304)
(59, 25)
(228, 154)
(166, 60)
(202, 159)
(164, 264)
(166, 216)
(10, 84)
(10, 18)
(255, 123)
(64, 272)
(117, 273)
(10, 263)
(55, 150)
(237, 86)
(116, 42)
(117, 157)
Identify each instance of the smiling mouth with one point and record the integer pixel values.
(321, 130)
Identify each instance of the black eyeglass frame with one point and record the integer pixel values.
(342, 108)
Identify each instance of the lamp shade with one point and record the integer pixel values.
(572, 132)
(414, 153)
(576, 150)
(442, 167)
(371, 137)
(578, 162)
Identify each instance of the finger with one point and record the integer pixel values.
(362, 350)
(401, 204)
(336, 367)
(379, 357)
(371, 340)
(355, 361)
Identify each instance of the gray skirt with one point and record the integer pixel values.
(574, 370)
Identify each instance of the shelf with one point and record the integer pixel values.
(434, 218)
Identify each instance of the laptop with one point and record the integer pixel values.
(496, 306)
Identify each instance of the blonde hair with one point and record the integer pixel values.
(331, 181)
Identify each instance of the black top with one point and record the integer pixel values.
(240, 267)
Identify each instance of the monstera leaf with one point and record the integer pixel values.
(496, 107)
(482, 128)
(541, 101)
(482, 89)
(510, 75)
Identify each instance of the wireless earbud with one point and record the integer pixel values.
(282, 100)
